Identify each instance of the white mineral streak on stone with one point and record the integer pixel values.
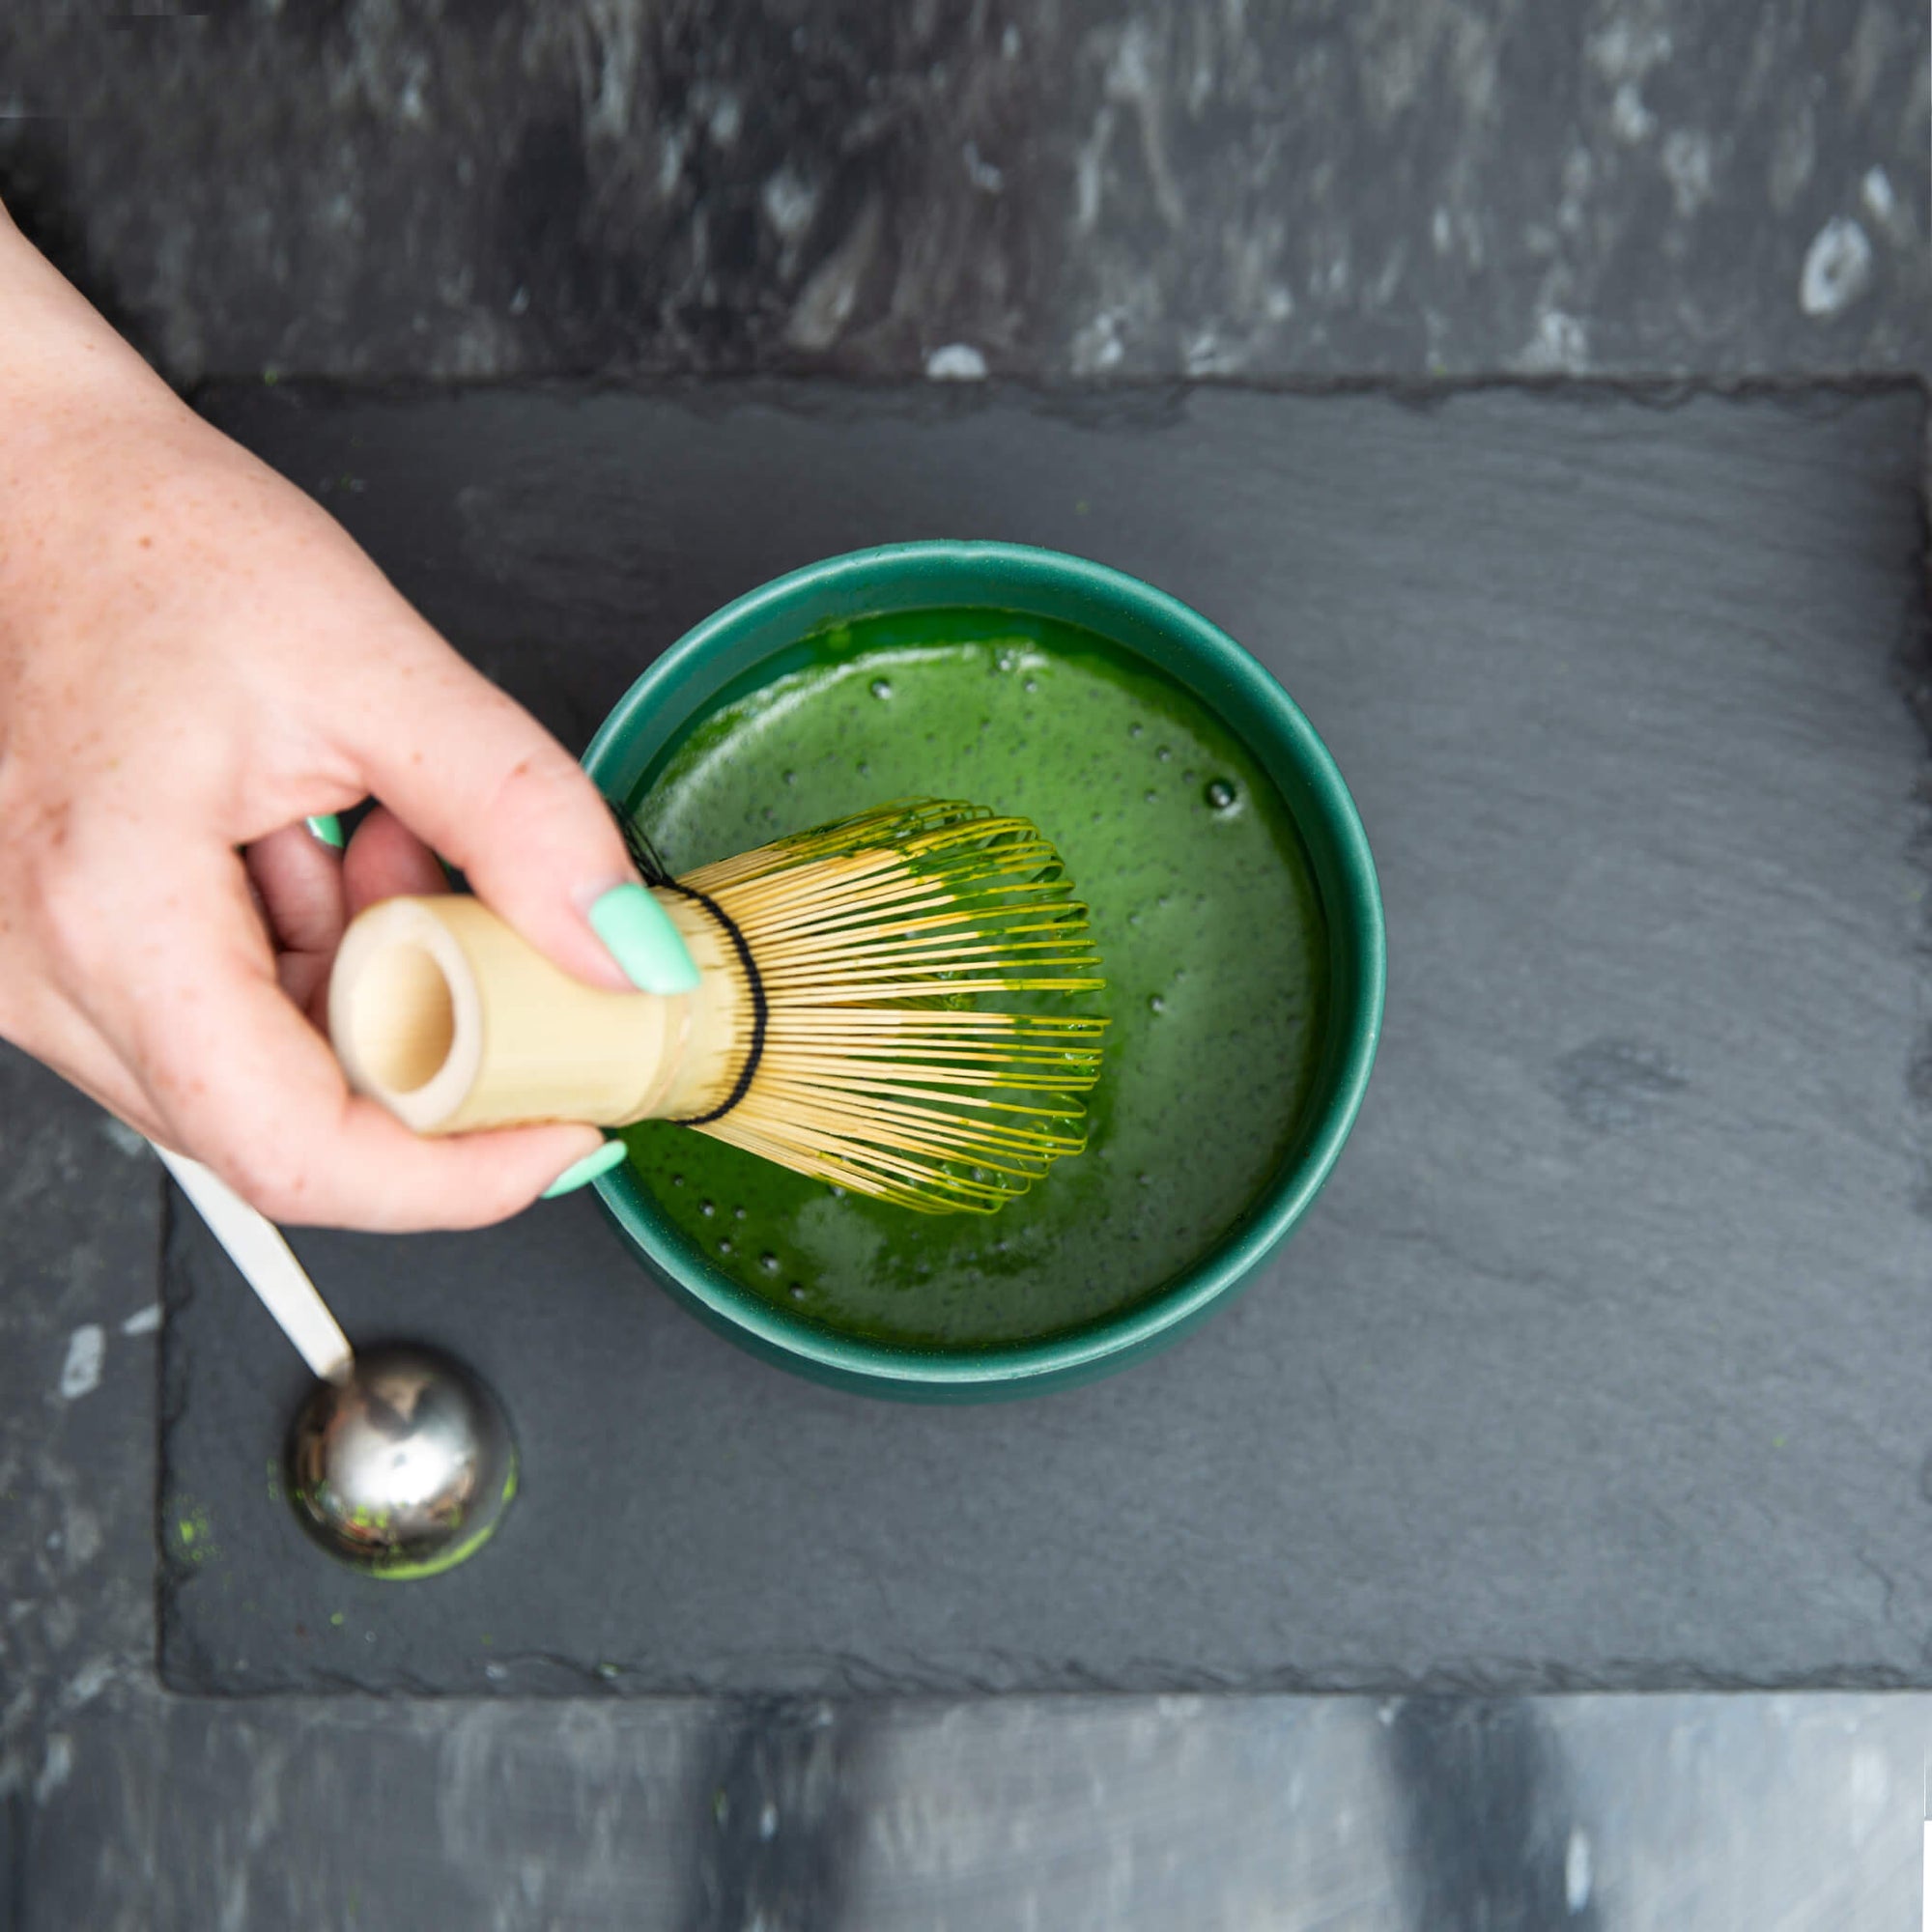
(726, 116)
(1098, 348)
(81, 1372)
(81, 1536)
(789, 202)
(1204, 356)
(957, 363)
(1560, 346)
(1132, 80)
(1623, 53)
(1088, 171)
(826, 302)
(1892, 215)
(1629, 116)
(987, 178)
(1577, 1872)
(1686, 165)
(618, 28)
(89, 1682)
(123, 1137)
(56, 1767)
(1838, 268)
(1627, 49)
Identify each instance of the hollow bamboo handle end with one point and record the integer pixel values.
(454, 1022)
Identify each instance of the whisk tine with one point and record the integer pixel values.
(873, 944)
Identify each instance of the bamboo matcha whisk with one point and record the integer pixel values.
(841, 1026)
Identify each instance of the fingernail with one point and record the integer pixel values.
(580, 1173)
(328, 828)
(643, 941)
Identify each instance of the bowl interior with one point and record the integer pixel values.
(763, 635)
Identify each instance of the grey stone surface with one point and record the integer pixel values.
(1599, 1363)
(1079, 1814)
(79, 1307)
(1045, 188)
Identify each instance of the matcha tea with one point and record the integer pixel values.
(1211, 937)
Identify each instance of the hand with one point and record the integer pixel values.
(193, 658)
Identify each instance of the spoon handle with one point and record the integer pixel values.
(269, 1266)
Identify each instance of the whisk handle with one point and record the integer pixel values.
(444, 1013)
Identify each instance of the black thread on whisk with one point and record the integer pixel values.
(644, 855)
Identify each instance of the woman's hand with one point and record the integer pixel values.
(193, 658)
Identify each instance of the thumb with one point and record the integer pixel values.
(469, 770)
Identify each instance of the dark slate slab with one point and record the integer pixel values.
(1603, 1361)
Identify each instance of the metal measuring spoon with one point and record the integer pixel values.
(404, 1468)
(400, 1461)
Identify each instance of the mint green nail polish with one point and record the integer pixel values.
(580, 1173)
(643, 941)
(328, 828)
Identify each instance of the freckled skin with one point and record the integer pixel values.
(166, 922)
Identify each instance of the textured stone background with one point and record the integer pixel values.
(1048, 189)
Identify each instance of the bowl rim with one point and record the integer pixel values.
(1081, 1351)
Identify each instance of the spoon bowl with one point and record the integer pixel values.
(402, 1469)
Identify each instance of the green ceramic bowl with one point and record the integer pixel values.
(728, 651)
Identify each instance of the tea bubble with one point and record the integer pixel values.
(881, 687)
(769, 1263)
(707, 1207)
(796, 1290)
(1163, 753)
(1157, 1004)
(1153, 796)
(1220, 794)
(737, 1213)
(790, 778)
(723, 1247)
(1135, 731)
(1031, 684)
